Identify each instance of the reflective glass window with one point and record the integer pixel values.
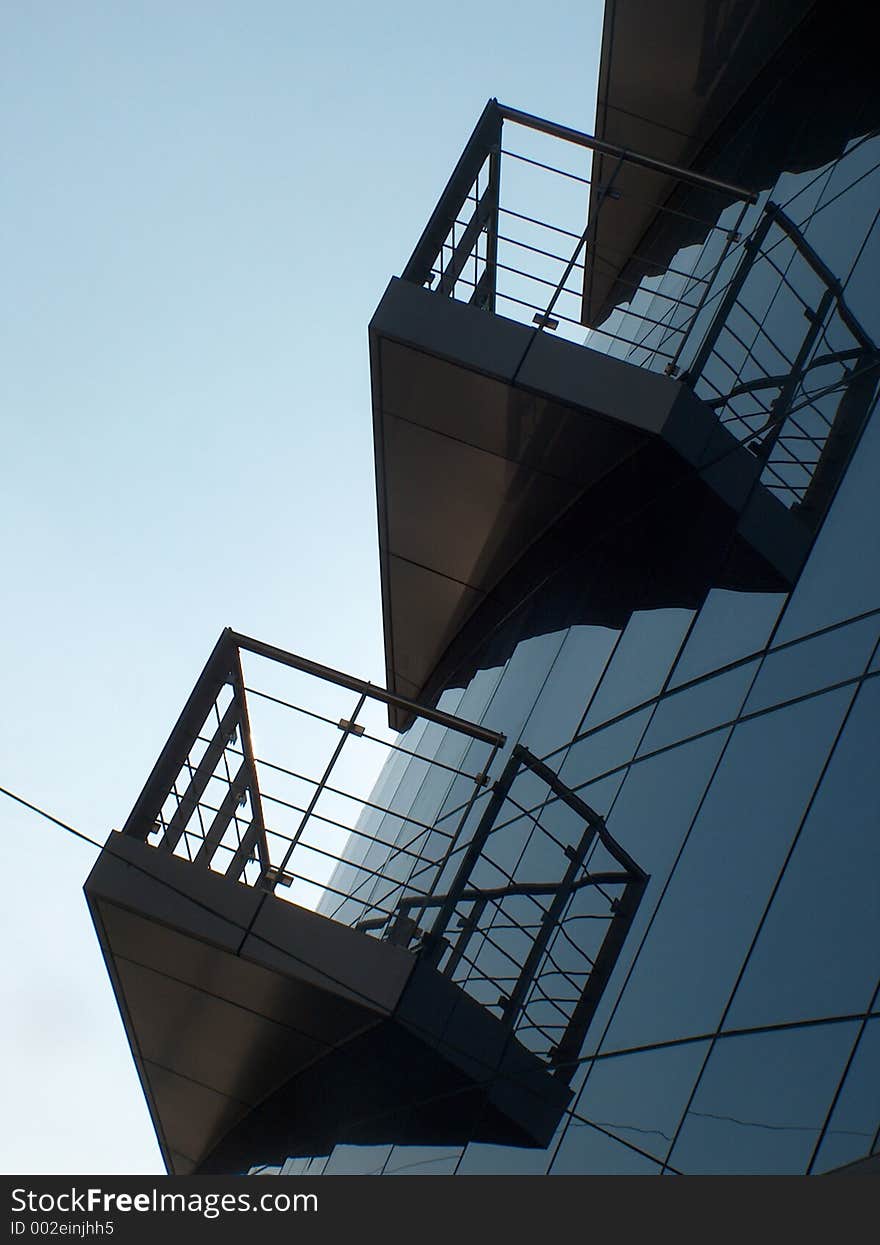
(481, 1160)
(603, 750)
(861, 287)
(730, 625)
(650, 818)
(815, 663)
(357, 1160)
(849, 196)
(421, 1161)
(640, 663)
(816, 953)
(714, 700)
(842, 575)
(856, 1118)
(762, 1101)
(587, 1151)
(706, 919)
(570, 684)
(521, 682)
(640, 1097)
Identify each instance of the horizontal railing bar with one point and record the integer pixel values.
(557, 315)
(339, 825)
(384, 743)
(287, 704)
(537, 250)
(672, 328)
(580, 139)
(310, 847)
(357, 799)
(334, 890)
(370, 690)
(516, 888)
(543, 224)
(550, 168)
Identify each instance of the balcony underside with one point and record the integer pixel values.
(503, 454)
(261, 1029)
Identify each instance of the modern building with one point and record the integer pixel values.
(613, 902)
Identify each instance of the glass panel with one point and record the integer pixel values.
(816, 954)
(851, 194)
(421, 1161)
(588, 1152)
(674, 783)
(762, 1101)
(520, 684)
(604, 750)
(719, 888)
(813, 664)
(640, 663)
(842, 575)
(861, 287)
(357, 1161)
(570, 684)
(504, 1160)
(683, 714)
(730, 625)
(640, 1097)
(853, 1125)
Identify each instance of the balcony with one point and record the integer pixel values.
(300, 962)
(543, 399)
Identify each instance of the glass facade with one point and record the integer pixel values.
(731, 747)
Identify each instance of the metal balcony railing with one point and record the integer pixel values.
(515, 229)
(268, 778)
(520, 231)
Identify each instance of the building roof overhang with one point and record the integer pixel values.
(670, 76)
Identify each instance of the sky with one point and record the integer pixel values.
(202, 205)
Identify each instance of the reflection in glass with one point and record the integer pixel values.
(815, 663)
(762, 1101)
(842, 576)
(683, 714)
(639, 1097)
(357, 1160)
(504, 1160)
(570, 684)
(856, 1117)
(587, 1151)
(707, 917)
(651, 816)
(640, 663)
(421, 1161)
(816, 953)
(730, 625)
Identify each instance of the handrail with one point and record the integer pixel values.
(581, 139)
(371, 690)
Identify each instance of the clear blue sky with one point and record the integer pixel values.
(202, 204)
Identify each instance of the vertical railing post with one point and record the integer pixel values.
(486, 136)
(434, 944)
